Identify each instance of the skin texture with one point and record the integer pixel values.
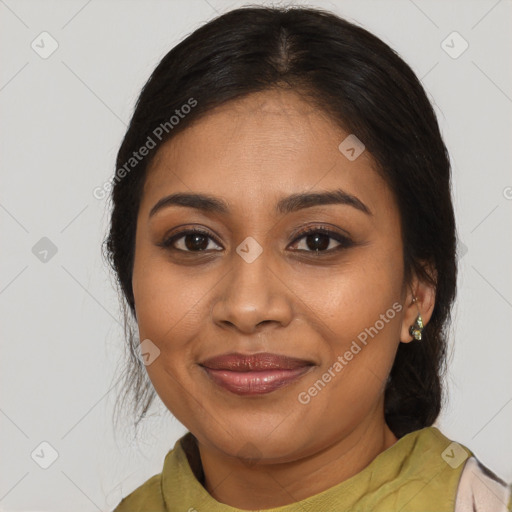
(271, 450)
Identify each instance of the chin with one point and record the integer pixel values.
(255, 444)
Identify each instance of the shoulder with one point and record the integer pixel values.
(151, 495)
(480, 490)
(146, 498)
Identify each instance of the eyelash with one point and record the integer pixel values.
(344, 241)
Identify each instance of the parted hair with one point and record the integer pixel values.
(368, 90)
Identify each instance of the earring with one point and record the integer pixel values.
(416, 329)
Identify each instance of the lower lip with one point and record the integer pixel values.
(255, 383)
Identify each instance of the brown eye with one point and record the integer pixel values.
(189, 241)
(319, 240)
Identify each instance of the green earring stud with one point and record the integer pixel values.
(416, 329)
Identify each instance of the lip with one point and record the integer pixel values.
(255, 374)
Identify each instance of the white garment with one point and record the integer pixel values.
(480, 490)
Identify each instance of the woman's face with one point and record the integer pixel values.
(251, 282)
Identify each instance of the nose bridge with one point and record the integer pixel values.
(251, 294)
(251, 272)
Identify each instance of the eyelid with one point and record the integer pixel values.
(168, 240)
(345, 241)
(321, 228)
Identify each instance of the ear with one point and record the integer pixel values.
(425, 294)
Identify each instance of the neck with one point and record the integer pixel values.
(237, 484)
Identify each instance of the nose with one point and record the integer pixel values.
(252, 297)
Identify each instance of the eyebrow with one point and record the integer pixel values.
(286, 205)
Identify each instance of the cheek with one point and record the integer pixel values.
(168, 304)
(351, 297)
(360, 312)
(168, 301)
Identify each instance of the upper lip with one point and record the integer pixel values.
(235, 361)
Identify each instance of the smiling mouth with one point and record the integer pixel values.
(255, 374)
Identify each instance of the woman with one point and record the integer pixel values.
(283, 234)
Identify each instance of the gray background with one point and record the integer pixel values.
(63, 118)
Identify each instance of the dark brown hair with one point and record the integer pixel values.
(367, 89)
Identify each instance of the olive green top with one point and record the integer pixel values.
(419, 473)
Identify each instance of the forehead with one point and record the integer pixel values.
(254, 150)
